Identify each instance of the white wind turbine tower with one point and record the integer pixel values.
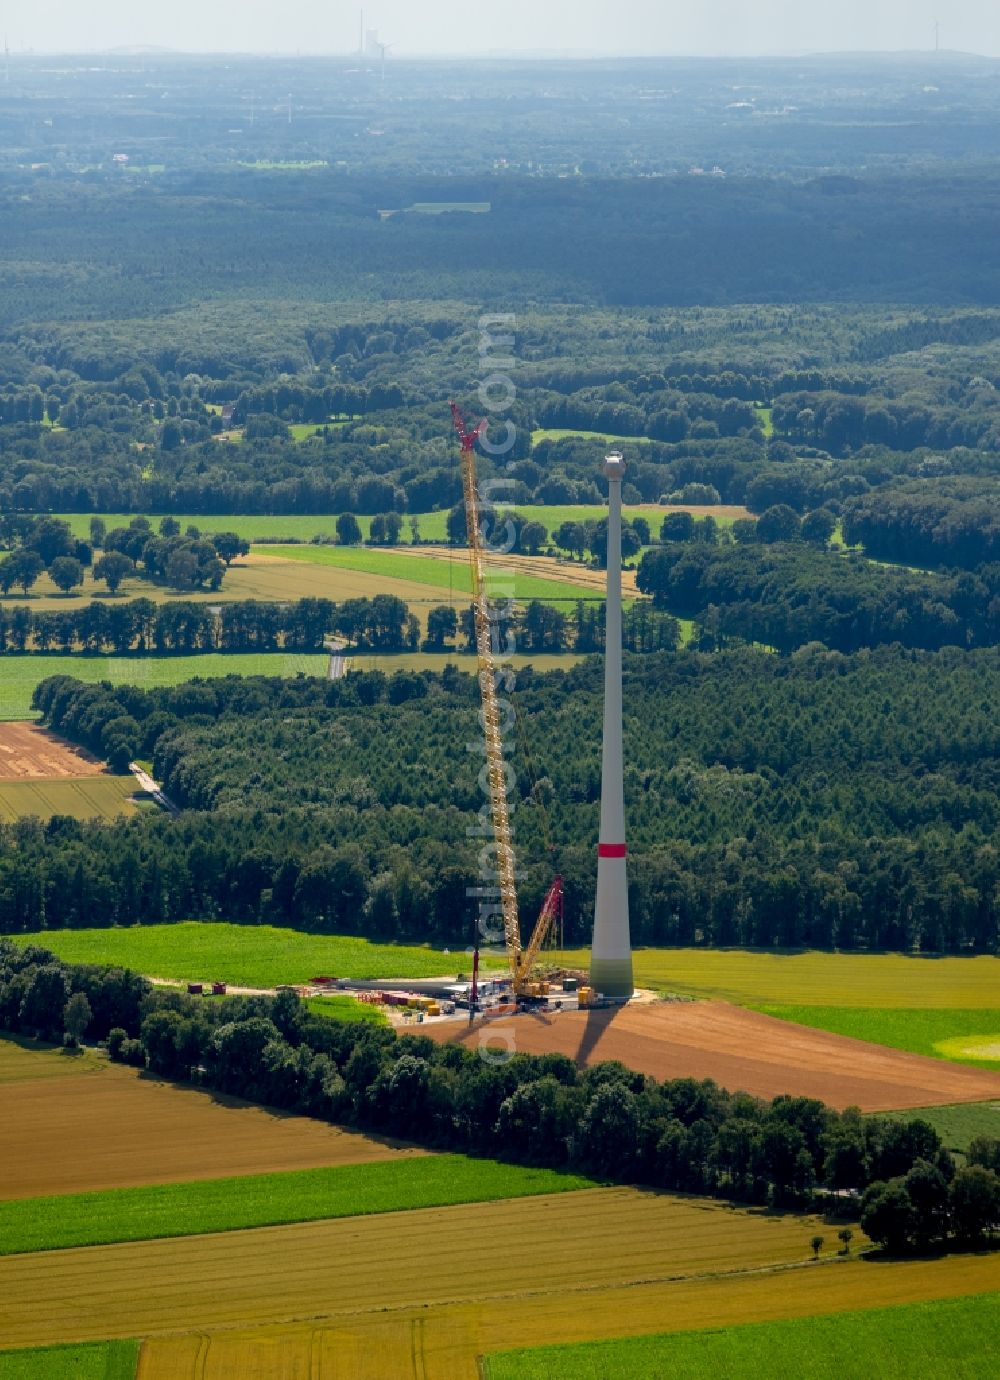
(383, 49)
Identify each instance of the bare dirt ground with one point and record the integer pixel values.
(30, 753)
(117, 1129)
(741, 1050)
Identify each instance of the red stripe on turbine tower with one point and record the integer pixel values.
(611, 850)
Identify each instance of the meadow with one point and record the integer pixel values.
(347, 1009)
(23, 1060)
(814, 978)
(390, 662)
(19, 674)
(432, 526)
(94, 797)
(921, 1341)
(263, 1200)
(95, 1361)
(448, 570)
(243, 955)
(944, 1033)
(959, 1125)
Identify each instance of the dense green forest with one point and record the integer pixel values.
(251, 287)
(822, 799)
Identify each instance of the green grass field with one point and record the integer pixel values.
(812, 978)
(432, 526)
(959, 1125)
(93, 1361)
(765, 420)
(559, 433)
(952, 1338)
(267, 1200)
(346, 1009)
(465, 661)
(946, 1033)
(20, 674)
(448, 572)
(245, 955)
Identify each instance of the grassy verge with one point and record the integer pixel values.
(262, 1200)
(92, 1361)
(244, 955)
(922, 1341)
(943, 1034)
(346, 1009)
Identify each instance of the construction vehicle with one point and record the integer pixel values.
(521, 959)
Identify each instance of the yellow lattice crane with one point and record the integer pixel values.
(522, 960)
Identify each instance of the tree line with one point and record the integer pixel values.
(620, 1126)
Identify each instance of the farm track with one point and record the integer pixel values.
(742, 1050)
(395, 1261)
(119, 1130)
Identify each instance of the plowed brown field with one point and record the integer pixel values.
(741, 1050)
(30, 753)
(115, 1130)
(432, 1257)
(443, 1343)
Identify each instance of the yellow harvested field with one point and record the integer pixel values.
(121, 1129)
(399, 1260)
(443, 1343)
(816, 979)
(257, 576)
(22, 1061)
(92, 797)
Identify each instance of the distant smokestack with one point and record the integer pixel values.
(611, 957)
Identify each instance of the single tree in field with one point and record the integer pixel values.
(66, 573)
(77, 1016)
(98, 531)
(846, 1236)
(112, 569)
(348, 530)
(442, 623)
(817, 1245)
(26, 566)
(229, 546)
(414, 525)
(534, 535)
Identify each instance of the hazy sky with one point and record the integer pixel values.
(442, 26)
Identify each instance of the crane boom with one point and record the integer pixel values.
(521, 961)
(496, 767)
